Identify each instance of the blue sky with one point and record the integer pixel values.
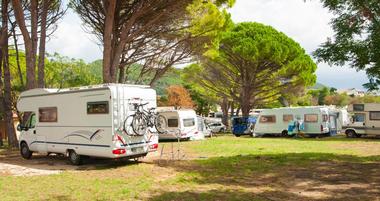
(305, 22)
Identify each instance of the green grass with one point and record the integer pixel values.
(221, 168)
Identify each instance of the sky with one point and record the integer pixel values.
(307, 22)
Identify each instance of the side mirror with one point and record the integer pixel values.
(19, 127)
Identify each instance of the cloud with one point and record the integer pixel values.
(71, 40)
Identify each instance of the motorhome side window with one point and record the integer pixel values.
(358, 117)
(188, 122)
(100, 107)
(287, 117)
(268, 119)
(374, 116)
(311, 118)
(172, 122)
(47, 114)
(358, 107)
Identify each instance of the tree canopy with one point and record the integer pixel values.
(254, 64)
(357, 37)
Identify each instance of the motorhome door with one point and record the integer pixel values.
(38, 141)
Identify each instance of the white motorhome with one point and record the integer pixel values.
(181, 124)
(317, 120)
(85, 121)
(365, 120)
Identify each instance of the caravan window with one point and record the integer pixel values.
(97, 107)
(188, 122)
(374, 116)
(311, 118)
(287, 117)
(48, 114)
(172, 122)
(268, 119)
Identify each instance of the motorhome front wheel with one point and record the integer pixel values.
(25, 152)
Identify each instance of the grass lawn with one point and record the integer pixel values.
(221, 168)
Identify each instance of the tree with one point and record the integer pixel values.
(357, 36)
(6, 92)
(253, 63)
(156, 33)
(179, 97)
(43, 16)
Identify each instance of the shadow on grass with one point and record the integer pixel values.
(60, 162)
(230, 195)
(294, 176)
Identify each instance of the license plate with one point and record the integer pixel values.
(137, 149)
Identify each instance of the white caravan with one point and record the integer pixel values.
(181, 124)
(365, 120)
(317, 120)
(85, 121)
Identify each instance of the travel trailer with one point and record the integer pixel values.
(181, 124)
(365, 120)
(84, 121)
(315, 120)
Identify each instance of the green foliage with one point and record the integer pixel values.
(63, 72)
(357, 36)
(255, 61)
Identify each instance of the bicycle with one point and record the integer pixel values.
(144, 119)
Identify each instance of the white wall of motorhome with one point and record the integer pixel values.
(85, 120)
(275, 121)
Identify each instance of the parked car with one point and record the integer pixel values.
(217, 127)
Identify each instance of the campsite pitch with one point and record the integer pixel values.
(222, 168)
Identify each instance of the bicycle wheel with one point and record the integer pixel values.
(127, 125)
(139, 125)
(160, 124)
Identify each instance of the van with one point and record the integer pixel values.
(316, 120)
(84, 121)
(365, 120)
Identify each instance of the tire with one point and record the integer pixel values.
(237, 135)
(75, 158)
(351, 134)
(127, 125)
(25, 151)
(161, 124)
(284, 133)
(139, 125)
(222, 130)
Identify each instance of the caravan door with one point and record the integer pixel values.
(333, 125)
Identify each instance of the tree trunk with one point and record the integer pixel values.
(232, 108)
(17, 57)
(12, 140)
(110, 6)
(245, 102)
(121, 74)
(41, 54)
(28, 43)
(224, 107)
